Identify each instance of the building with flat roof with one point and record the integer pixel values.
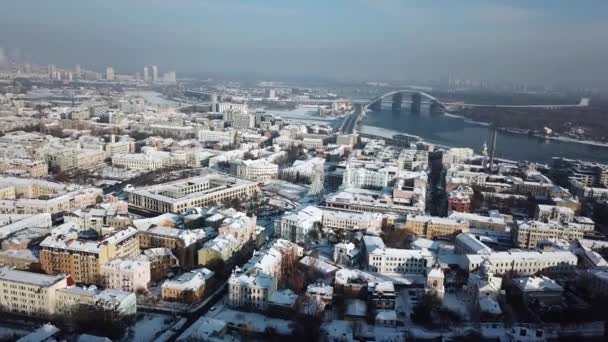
(527, 234)
(181, 195)
(30, 294)
(524, 262)
(127, 274)
(35, 196)
(435, 227)
(393, 260)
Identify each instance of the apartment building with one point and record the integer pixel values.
(127, 274)
(255, 170)
(296, 226)
(303, 170)
(161, 262)
(253, 285)
(181, 195)
(220, 136)
(68, 159)
(392, 260)
(83, 259)
(435, 227)
(183, 243)
(527, 234)
(29, 294)
(137, 161)
(221, 248)
(524, 262)
(187, 288)
(351, 220)
(34, 196)
(24, 167)
(553, 213)
(492, 222)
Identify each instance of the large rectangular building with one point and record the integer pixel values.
(435, 227)
(527, 234)
(393, 260)
(524, 262)
(179, 196)
(83, 259)
(30, 294)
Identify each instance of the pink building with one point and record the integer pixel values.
(129, 275)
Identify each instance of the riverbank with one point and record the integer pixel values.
(526, 132)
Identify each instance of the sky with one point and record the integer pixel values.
(535, 41)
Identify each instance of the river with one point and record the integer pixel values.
(457, 132)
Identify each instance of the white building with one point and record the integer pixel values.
(392, 260)
(553, 213)
(256, 170)
(127, 274)
(303, 170)
(523, 262)
(456, 156)
(296, 226)
(181, 195)
(137, 161)
(250, 291)
(527, 234)
(30, 294)
(466, 243)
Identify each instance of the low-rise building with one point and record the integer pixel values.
(435, 227)
(255, 170)
(187, 288)
(30, 294)
(540, 290)
(381, 295)
(182, 195)
(296, 226)
(24, 167)
(524, 262)
(466, 243)
(392, 260)
(251, 291)
(527, 234)
(476, 221)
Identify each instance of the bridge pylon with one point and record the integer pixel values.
(416, 103)
(397, 102)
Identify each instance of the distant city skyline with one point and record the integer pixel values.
(536, 42)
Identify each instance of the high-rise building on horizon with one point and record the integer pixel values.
(146, 74)
(154, 74)
(110, 74)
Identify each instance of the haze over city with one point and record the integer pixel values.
(328, 171)
(515, 41)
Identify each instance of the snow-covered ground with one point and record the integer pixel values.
(254, 321)
(454, 302)
(149, 326)
(291, 191)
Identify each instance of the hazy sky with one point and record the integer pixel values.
(527, 40)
